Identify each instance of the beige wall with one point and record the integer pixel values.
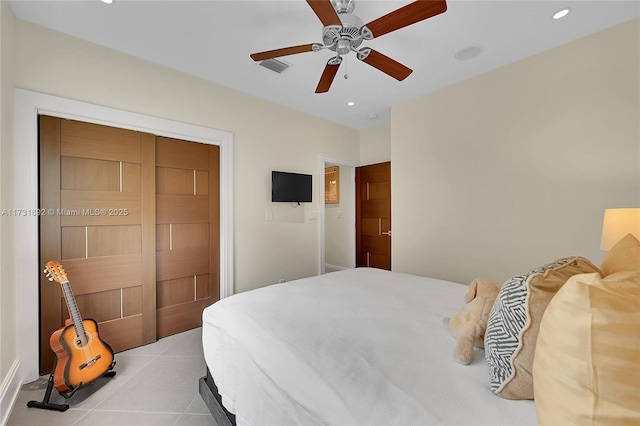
(8, 331)
(502, 172)
(375, 144)
(56, 64)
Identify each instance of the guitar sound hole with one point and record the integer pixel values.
(77, 343)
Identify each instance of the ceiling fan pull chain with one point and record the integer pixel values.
(346, 67)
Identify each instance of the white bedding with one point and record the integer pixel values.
(356, 347)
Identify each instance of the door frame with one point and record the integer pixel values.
(28, 105)
(351, 210)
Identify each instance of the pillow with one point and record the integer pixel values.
(624, 256)
(514, 321)
(587, 365)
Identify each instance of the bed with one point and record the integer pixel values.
(357, 347)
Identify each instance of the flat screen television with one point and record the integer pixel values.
(291, 187)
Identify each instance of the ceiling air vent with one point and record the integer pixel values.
(275, 65)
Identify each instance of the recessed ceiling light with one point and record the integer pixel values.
(372, 116)
(562, 13)
(351, 103)
(107, 1)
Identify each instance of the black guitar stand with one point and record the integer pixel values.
(46, 405)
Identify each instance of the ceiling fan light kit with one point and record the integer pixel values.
(344, 32)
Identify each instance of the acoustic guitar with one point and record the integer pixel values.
(81, 356)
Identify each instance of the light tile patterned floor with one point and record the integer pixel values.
(156, 384)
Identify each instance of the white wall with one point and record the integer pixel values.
(375, 144)
(502, 172)
(340, 224)
(8, 286)
(57, 64)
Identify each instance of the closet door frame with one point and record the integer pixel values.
(28, 106)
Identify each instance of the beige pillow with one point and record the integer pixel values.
(512, 329)
(624, 256)
(586, 369)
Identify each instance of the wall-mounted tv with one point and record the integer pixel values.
(291, 187)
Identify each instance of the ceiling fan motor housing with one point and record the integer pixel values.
(343, 6)
(343, 38)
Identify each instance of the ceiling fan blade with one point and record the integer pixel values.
(261, 56)
(325, 12)
(384, 63)
(405, 16)
(329, 73)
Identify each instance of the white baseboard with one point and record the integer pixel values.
(333, 268)
(9, 392)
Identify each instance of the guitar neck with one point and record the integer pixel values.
(74, 312)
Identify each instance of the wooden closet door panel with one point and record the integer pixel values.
(100, 182)
(86, 140)
(181, 154)
(182, 316)
(132, 301)
(172, 292)
(90, 174)
(74, 242)
(93, 274)
(131, 177)
(178, 208)
(101, 306)
(174, 181)
(100, 208)
(51, 305)
(148, 268)
(174, 264)
(202, 183)
(203, 286)
(113, 240)
(117, 339)
(187, 208)
(190, 235)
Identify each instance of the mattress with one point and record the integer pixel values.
(356, 347)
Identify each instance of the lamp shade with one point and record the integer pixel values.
(617, 224)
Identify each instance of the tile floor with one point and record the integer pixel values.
(156, 384)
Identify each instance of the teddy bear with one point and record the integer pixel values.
(469, 324)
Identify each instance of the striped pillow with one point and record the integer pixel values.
(586, 365)
(514, 321)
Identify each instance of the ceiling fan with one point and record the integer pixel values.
(344, 32)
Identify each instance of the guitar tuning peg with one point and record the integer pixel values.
(50, 278)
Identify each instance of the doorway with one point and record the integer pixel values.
(337, 220)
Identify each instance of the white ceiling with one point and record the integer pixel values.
(212, 40)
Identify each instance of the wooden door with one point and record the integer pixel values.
(97, 204)
(373, 216)
(188, 233)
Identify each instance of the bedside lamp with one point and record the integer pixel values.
(617, 224)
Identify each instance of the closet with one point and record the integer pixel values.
(134, 221)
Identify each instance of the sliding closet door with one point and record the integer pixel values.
(97, 198)
(188, 233)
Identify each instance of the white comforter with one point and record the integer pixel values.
(356, 347)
